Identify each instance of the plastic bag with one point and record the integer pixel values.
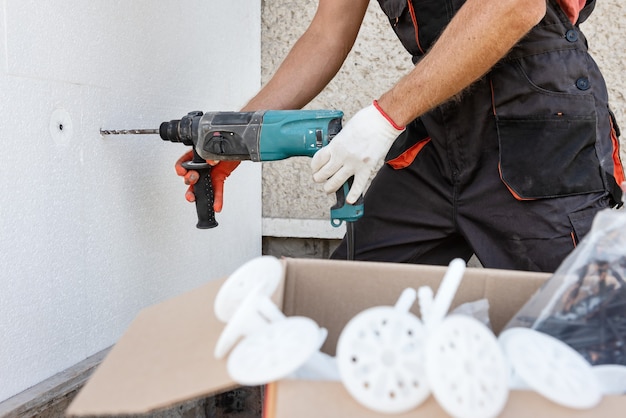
(584, 303)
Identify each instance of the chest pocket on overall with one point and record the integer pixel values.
(546, 125)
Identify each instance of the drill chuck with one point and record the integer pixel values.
(180, 130)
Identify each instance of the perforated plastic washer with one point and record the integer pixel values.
(380, 359)
(611, 378)
(445, 294)
(274, 352)
(466, 368)
(551, 367)
(267, 270)
(255, 313)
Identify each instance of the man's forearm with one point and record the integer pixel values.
(480, 34)
(300, 77)
(315, 58)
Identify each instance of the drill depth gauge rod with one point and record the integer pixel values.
(269, 135)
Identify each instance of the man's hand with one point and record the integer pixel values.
(220, 171)
(355, 151)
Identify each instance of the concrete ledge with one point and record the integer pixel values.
(301, 228)
(51, 397)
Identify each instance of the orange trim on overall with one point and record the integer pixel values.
(269, 401)
(573, 238)
(618, 168)
(414, 19)
(513, 192)
(493, 109)
(406, 158)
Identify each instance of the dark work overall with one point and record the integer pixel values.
(513, 170)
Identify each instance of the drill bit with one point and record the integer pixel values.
(129, 132)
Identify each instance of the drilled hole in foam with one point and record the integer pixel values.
(60, 127)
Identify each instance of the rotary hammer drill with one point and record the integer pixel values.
(267, 135)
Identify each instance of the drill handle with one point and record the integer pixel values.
(203, 191)
(342, 210)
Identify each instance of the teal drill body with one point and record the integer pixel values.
(286, 134)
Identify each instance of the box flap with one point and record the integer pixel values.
(165, 357)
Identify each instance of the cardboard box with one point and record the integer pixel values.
(166, 355)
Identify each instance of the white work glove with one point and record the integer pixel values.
(355, 151)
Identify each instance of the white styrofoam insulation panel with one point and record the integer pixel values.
(93, 229)
(376, 62)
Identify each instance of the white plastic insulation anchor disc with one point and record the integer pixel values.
(274, 352)
(255, 312)
(380, 359)
(466, 368)
(611, 377)
(425, 298)
(551, 367)
(439, 306)
(265, 270)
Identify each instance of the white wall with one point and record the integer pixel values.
(93, 229)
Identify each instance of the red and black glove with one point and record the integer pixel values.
(220, 171)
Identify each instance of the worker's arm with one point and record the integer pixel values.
(479, 35)
(315, 58)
